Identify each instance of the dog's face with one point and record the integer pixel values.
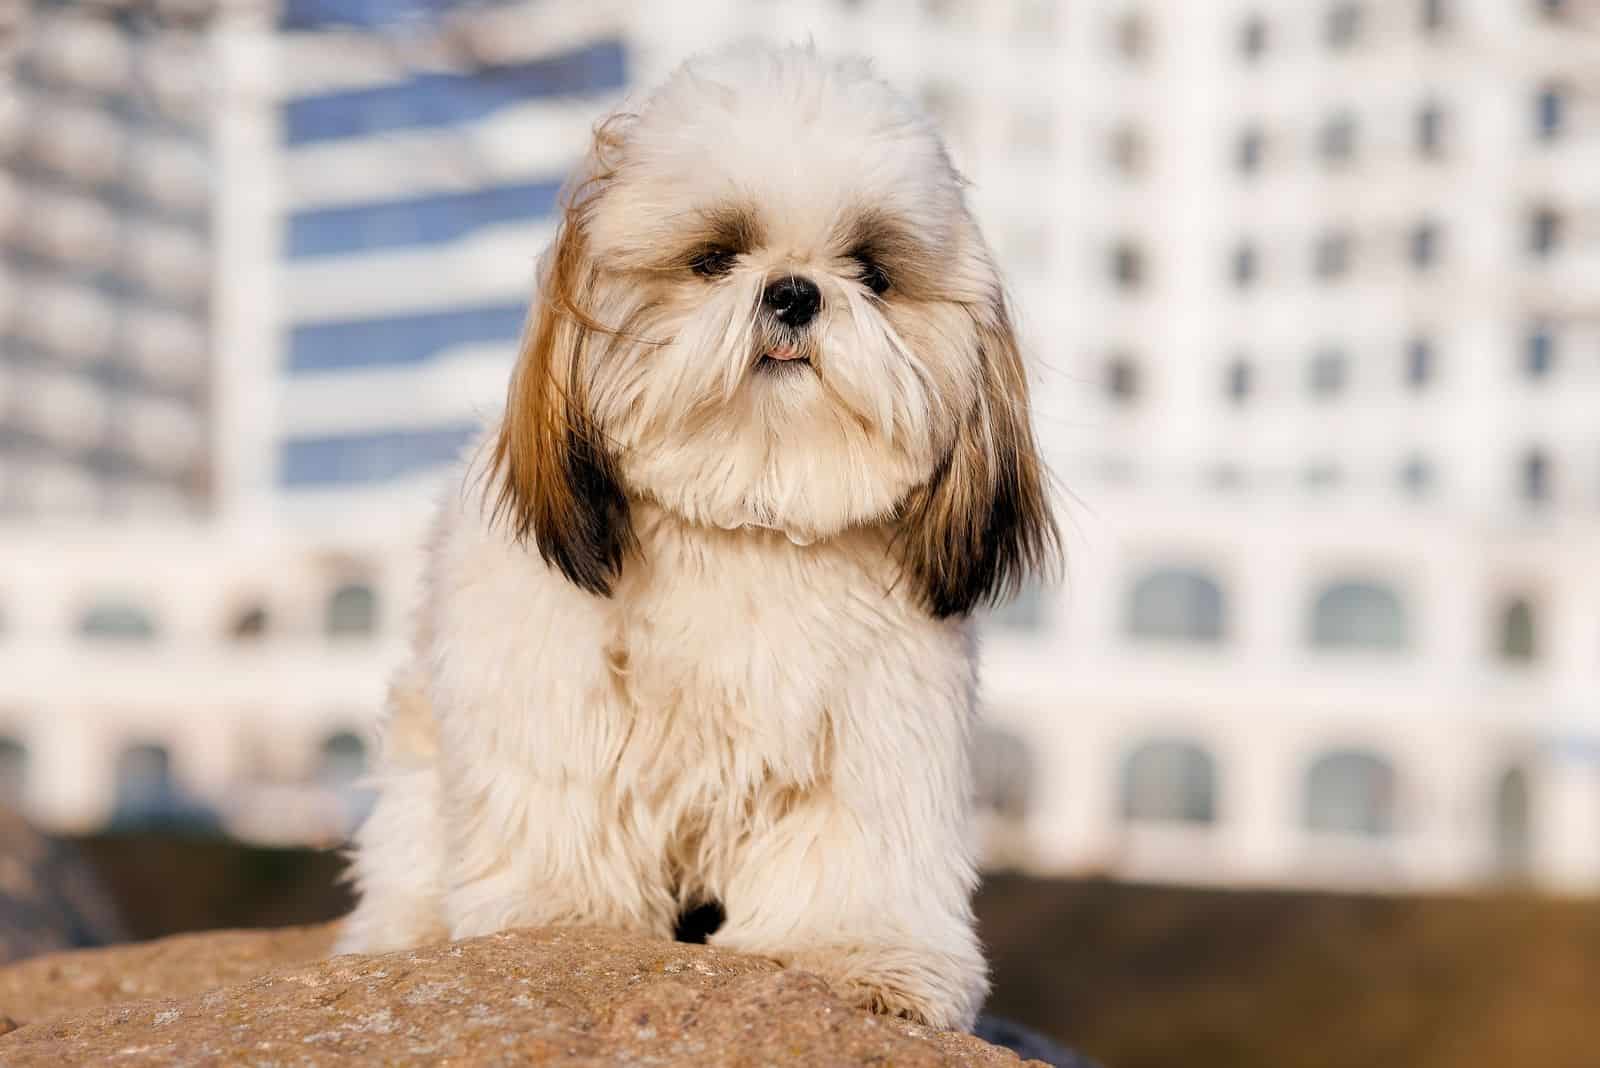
(768, 306)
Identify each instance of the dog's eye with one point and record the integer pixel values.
(872, 274)
(713, 261)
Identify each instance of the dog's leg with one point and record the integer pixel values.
(529, 853)
(399, 851)
(867, 878)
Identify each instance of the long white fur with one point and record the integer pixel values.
(763, 713)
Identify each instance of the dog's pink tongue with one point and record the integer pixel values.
(785, 353)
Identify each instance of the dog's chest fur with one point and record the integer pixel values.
(728, 651)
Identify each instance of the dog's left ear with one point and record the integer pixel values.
(554, 476)
(983, 522)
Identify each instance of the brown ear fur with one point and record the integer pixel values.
(553, 476)
(983, 522)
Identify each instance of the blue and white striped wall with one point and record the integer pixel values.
(420, 181)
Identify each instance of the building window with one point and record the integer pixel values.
(433, 219)
(1513, 823)
(13, 772)
(1128, 150)
(1550, 112)
(1169, 781)
(379, 456)
(1177, 605)
(1544, 231)
(1330, 374)
(1331, 259)
(1431, 130)
(1023, 613)
(250, 624)
(1539, 354)
(1226, 477)
(1342, 25)
(343, 760)
(1336, 142)
(1322, 476)
(1435, 15)
(1425, 240)
(1245, 266)
(1002, 773)
(1417, 477)
(1122, 379)
(1250, 150)
(1239, 381)
(1420, 363)
(117, 621)
(402, 339)
(1127, 265)
(1132, 34)
(352, 611)
(1519, 632)
(434, 99)
(1351, 792)
(1359, 615)
(147, 792)
(1254, 37)
(1536, 477)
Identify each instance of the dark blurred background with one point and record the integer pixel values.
(1300, 766)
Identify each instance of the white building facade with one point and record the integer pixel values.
(1311, 288)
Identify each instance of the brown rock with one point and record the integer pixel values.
(540, 996)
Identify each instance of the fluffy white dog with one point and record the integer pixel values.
(694, 629)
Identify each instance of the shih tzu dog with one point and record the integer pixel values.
(695, 627)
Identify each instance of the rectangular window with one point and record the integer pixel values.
(401, 339)
(428, 220)
(434, 99)
(373, 457)
(317, 14)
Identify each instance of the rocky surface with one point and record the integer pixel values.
(541, 996)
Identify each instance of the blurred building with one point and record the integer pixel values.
(106, 166)
(1311, 290)
(421, 147)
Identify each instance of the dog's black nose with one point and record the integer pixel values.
(793, 300)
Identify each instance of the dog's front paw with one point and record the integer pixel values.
(940, 989)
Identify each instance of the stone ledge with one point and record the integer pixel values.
(538, 996)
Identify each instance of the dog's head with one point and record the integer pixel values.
(768, 306)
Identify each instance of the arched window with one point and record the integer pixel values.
(1359, 615)
(1535, 477)
(1177, 605)
(250, 624)
(1513, 822)
(344, 759)
(352, 611)
(1002, 772)
(13, 771)
(1550, 112)
(1122, 378)
(1350, 791)
(1169, 781)
(1127, 265)
(117, 621)
(147, 791)
(1519, 631)
(1539, 351)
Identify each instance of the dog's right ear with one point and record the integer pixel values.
(553, 477)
